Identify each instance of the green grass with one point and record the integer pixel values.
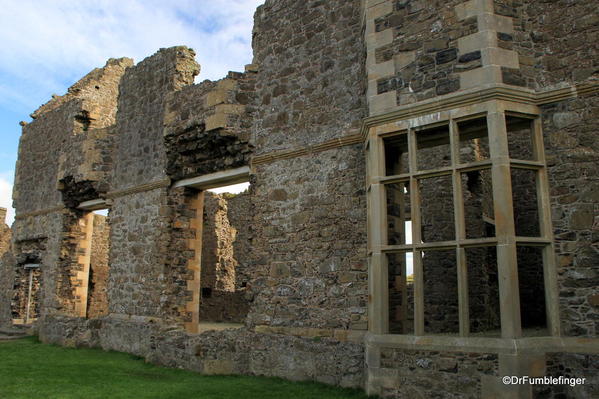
(30, 369)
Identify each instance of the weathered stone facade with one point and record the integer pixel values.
(462, 117)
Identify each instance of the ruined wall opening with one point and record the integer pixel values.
(26, 297)
(27, 288)
(99, 265)
(83, 285)
(224, 274)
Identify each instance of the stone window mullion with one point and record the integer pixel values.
(460, 231)
(509, 298)
(546, 230)
(416, 237)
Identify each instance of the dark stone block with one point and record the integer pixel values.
(506, 37)
(474, 55)
(389, 84)
(446, 56)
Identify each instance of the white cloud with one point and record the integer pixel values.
(49, 44)
(6, 196)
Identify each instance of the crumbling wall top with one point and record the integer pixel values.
(91, 87)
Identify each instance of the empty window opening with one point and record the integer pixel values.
(477, 192)
(520, 138)
(433, 146)
(483, 291)
(526, 208)
(532, 290)
(441, 308)
(437, 209)
(224, 269)
(99, 265)
(231, 189)
(398, 214)
(401, 293)
(474, 140)
(396, 155)
(28, 281)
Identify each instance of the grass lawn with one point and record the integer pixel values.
(30, 369)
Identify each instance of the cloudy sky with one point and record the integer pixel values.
(47, 45)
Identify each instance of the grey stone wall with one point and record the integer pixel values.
(139, 145)
(139, 240)
(569, 129)
(312, 79)
(571, 365)
(425, 34)
(554, 40)
(435, 374)
(310, 241)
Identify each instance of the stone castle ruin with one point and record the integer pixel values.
(421, 218)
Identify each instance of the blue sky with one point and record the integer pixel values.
(47, 45)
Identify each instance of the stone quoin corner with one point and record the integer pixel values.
(420, 218)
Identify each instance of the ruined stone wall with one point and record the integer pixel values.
(309, 211)
(207, 126)
(7, 278)
(63, 159)
(62, 141)
(97, 301)
(140, 123)
(5, 233)
(300, 242)
(218, 352)
(141, 218)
